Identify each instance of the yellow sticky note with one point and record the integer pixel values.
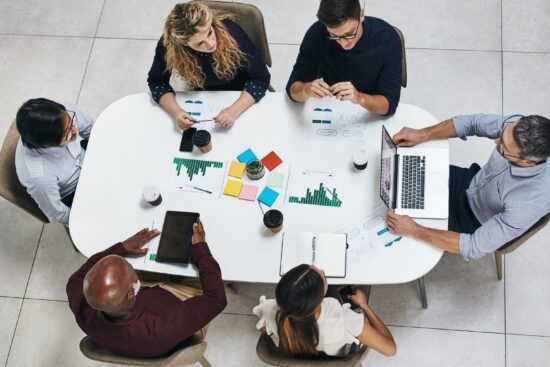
(237, 169)
(232, 188)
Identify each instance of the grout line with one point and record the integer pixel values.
(502, 113)
(45, 299)
(24, 293)
(13, 297)
(531, 335)
(43, 35)
(446, 329)
(90, 54)
(237, 314)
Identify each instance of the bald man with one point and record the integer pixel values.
(103, 295)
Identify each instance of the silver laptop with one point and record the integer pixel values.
(414, 181)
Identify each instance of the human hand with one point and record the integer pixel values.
(401, 224)
(133, 244)
(184, 120)
(227, 117)
(359, 298)
(198, 233)
(408, 137)
(317, 89)
(345, 91)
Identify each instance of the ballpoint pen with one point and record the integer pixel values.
(198, 188)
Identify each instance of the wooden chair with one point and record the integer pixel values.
(515, 243)
(251, 20)
(403, 59)
(188, 355)
(272, 355)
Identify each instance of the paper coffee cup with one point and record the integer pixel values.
(360, 159)
(273, 219)
(152, 195)
(203, 141)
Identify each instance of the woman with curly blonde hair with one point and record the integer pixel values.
(210, 52)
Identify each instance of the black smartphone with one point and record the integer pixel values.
(175, 239)
(344, 293)
(186, 144)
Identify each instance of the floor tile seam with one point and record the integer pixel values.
(45, 35)
(529, 335)
(24, 293)
(237, 314)
(44, 299)
(448, 329)
(13, 297)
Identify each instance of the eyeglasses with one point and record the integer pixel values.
(69, 133)
(501, 147)
(348, 37)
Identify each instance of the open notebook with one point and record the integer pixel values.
(327, 251)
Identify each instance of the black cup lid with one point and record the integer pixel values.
(201, 138)
(273, 218)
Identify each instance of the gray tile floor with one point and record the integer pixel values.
(464, 57)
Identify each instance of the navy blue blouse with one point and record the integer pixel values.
(373, 65)
(252, 76)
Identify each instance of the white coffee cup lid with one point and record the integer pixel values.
(360, 156)
(150, 193)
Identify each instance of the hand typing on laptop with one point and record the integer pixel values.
(408, 137)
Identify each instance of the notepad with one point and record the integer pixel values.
(236, 169)
(275, 179)
(327, 251)
(247, 156)
(271, 161)
(268, 196)
(248, 192)
(233, 188)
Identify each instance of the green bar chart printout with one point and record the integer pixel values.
(195, 166)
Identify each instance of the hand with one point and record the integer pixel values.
(345, 91)
(184, 120)
(198, 233)
(359, 298)
(401, 224)
(133, 244)
(408, 137)
(317, 89)
(227, 117)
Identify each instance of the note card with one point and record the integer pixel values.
(236, 169)
(248, 192)
(271, 161)
(247, 156)
(232, 188)
(275, 179)
(268, 196)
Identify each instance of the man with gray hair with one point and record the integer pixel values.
(488, 206)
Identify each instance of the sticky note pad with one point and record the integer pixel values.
(268, 196)
(248, 192)
(271, 161)
(275, 179)
(232, 188)
(247, 156)
(236, 169)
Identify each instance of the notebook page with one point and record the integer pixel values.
(296, 249)
(330, 254)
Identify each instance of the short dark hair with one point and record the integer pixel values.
(532, 134)
(40, 123)
(332, 13)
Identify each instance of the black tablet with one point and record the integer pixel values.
(175, 239)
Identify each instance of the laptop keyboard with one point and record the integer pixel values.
(412, 183)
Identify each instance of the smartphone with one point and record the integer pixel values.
(175, 239)
(186, 144)
(343, 294)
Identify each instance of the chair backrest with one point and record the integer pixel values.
(251, 20)
(403, 59)
(272, 355)
(517, 242)
(187, 355)
(10, 187)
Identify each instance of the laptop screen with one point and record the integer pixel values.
(387, 169)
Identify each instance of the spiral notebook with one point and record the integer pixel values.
(327, 251)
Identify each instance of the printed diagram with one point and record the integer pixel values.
(315, 188)
(338, 123)
(195, 175)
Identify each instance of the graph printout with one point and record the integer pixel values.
(188, 174)
(306, 187)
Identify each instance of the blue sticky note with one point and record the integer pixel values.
(268, 196)
(247, 156)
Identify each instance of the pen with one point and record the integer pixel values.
(313, 248)
(199, 121)
(198, 188)
(330, 192)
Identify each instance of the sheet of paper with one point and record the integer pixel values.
(236, 169)
(268, 196)
(249, 192)
(275, 179)
(330, 253)
(296, 249)
(271, 161)
(233, 188)
(247, 156)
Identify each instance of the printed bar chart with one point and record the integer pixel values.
(194, 166)
(319, 197)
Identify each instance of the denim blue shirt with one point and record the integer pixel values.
(50, 174)
(506, 199)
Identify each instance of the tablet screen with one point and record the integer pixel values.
(175, 239)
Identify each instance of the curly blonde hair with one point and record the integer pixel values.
(182, 23)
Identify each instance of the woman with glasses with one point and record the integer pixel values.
(50, 153)
(209, 51)
(306, 323)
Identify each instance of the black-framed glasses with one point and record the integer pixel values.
(348, 37)
(68, 134)
(502, 149)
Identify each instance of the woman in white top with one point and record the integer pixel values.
(304, 323)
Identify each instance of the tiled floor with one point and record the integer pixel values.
(463, 57)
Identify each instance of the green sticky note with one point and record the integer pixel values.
(275, 179)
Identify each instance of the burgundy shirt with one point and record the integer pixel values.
(159, 322)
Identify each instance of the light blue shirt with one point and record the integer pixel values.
(506, 199)
(50, 174)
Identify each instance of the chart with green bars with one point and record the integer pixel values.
(197, 175)
(306, 187)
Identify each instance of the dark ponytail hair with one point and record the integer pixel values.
(40, 123)
(299, 292)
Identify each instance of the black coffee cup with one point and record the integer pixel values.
(202, 140)
(273, 219)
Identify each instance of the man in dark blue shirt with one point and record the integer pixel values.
(350, 56)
